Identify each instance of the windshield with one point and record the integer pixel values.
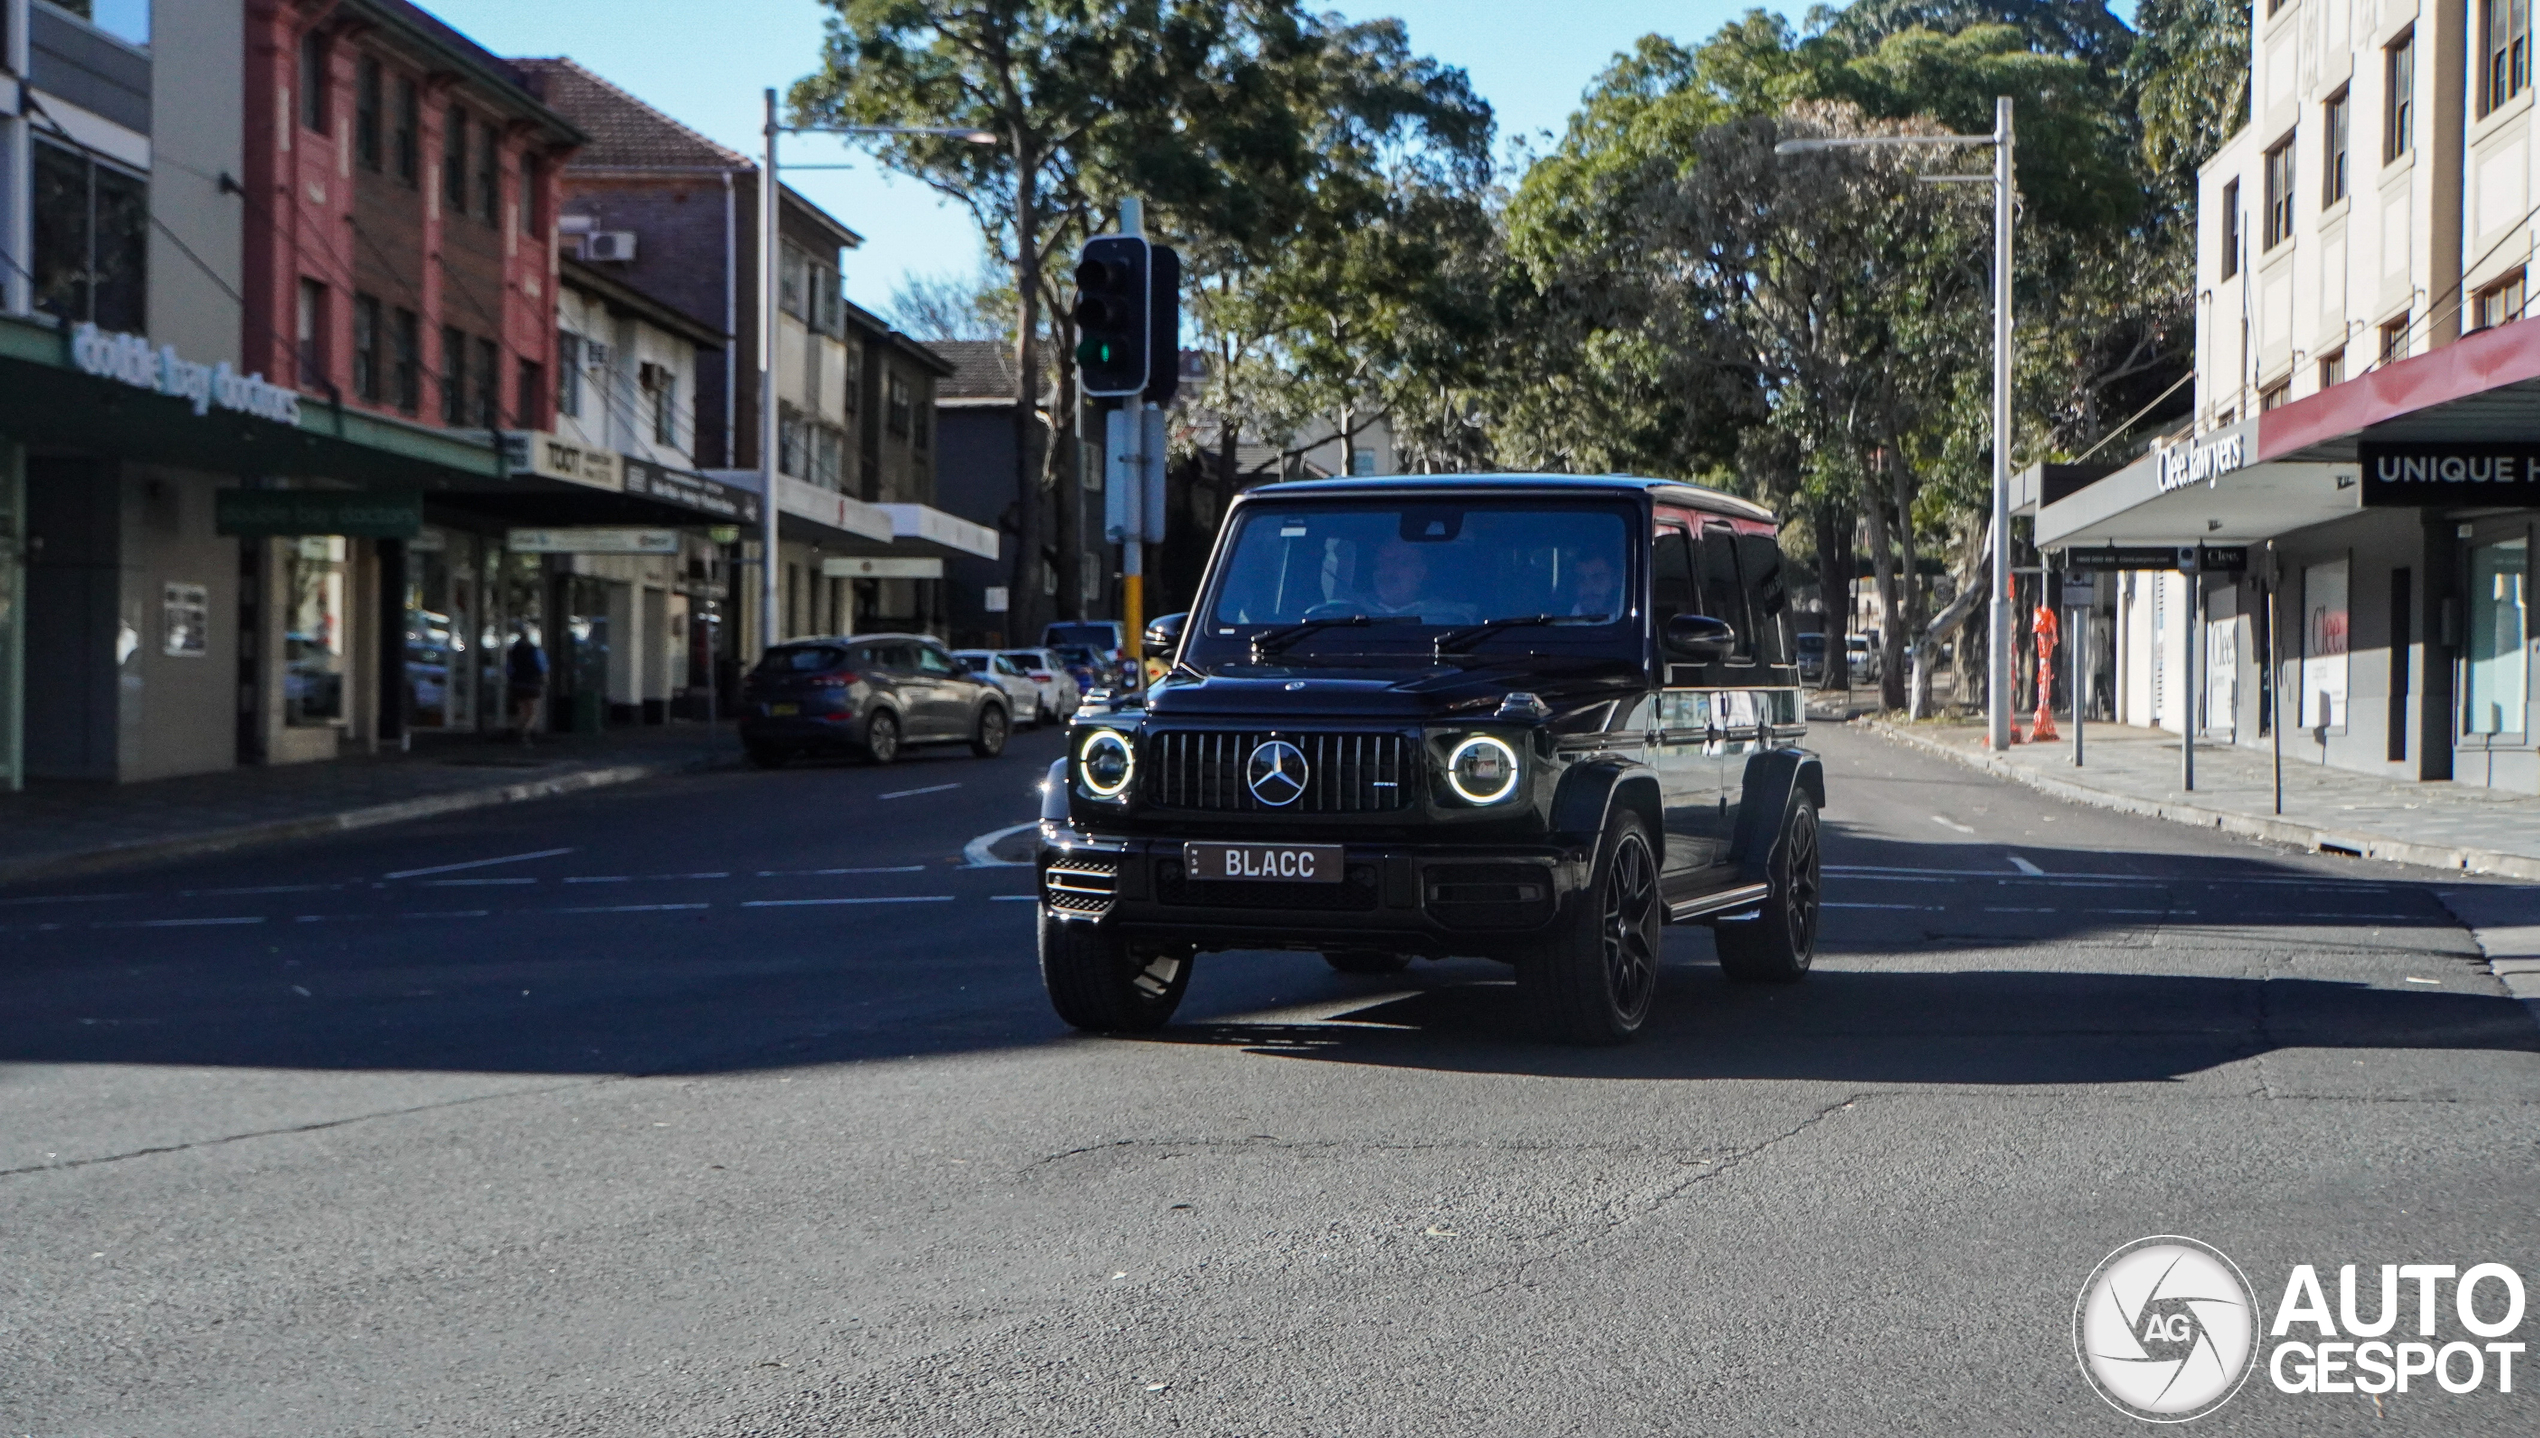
(1439, 563)
(1090, 636)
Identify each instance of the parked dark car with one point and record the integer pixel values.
(1520, 717)
(1812, 659)
(870, 694)
(1101, 646)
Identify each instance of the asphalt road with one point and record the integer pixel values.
(730, 1105)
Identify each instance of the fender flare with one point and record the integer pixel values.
(1590, 790)
(1054, 792)
(1772, 777)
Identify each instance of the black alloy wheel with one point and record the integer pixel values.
(881, 737)
(1594, 980)
(1777, 945)
(1099, 984)
(989, 740)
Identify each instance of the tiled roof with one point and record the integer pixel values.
(982, 369)
(625, 132)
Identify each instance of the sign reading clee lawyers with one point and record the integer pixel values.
(2398, 475)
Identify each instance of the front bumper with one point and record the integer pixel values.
(1488, 901)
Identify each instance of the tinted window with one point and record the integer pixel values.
(1095, 636)
(1724, 590)
(1443, 563)
(803, 659)
(1028, 660)
(1671, 578)
(932, 660)
(975, 663)
(888, 656)
(1767, 595)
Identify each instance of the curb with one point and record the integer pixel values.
(2346, 843)
(214, 841)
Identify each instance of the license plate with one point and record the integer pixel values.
(1286, 863)
(780, 711)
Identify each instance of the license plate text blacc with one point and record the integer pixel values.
(1291, 863)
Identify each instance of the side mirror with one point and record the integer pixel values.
(1165, 632)
(1700, 636)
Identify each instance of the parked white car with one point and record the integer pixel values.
(1059, 691)
(994, 667)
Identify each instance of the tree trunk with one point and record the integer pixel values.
(1883, 572)
(1907, 633)
(1026, 610)
(1068, 490)
(1834, 589)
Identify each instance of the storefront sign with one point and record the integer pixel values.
(361, 514)
(2398, 475)
(690, 491)
(2202, 463)
(111, 354)
(2208, 558)
(551, 457)
(593, 541)
(882, 569)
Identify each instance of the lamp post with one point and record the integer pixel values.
(1997, 699)
(769, 253)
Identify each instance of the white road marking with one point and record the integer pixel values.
(70, 899)
(2025, 867)
(176, 923)
(266, 889)
(812, 903)
(1910, 908)
(1992, 910)
(2345, 885)
(471, 883)
(1952, 824)
(1016, 898)
(976, 851)
(447, 914)
(2438, 983)
(627, 909)
(602, 879)
(476, 864)
(913, 793)
(825, 873)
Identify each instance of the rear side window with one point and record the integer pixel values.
(975, 663)
(1671, 589)
(1767, 595)
(886, 656)
(1027, 660)
(803, 659)
(1724, 589)
(932, 660)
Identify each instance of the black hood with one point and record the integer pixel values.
(1410, 693)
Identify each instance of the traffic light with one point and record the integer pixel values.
(1113, 330)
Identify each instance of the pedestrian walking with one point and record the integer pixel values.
(526, 667)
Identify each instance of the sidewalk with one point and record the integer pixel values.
(61, 827)
(2459, 827)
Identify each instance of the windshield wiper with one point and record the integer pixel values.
(1274, 641)
(1456, 641)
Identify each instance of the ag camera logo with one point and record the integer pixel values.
(2165, 1329)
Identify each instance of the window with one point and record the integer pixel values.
(793, 283)
(1724, 591)
(454, 161)
(2496, 694)
(405, 338)
(408, 140)
(531, 172)
(367, 97)
(92, 240)
(568, 373)
(315, 92)
(2394, 340)
(2333, 369)
(855, 376)
(2274, 396)
(829, 457)
(789, 440)
(2399, 82)
(2279, 194)
(2333, 163)
(489, 381)
(897, 402)
(661, 396)
(920, 422)
(2505, 39)
(453, 376)
(312, 333)
(489, 177)
(533, 392)
(315, 631)
(367, 340)
(2499, 303)
(2231, 229)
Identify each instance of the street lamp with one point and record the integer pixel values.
(1997, 699)
(767, 301)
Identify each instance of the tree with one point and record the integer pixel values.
(952, 307)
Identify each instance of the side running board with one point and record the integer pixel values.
(1744, 896)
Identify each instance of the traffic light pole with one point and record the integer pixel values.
(1133, 556)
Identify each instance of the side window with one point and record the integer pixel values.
(890, 656)
(1671, 590)
(1724, 590)
(932, 660)
(1767, 596)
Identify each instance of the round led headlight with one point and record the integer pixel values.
(1104, 762)
(1483, 770)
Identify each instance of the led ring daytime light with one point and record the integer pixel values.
(1483, 769)
(1104, 762)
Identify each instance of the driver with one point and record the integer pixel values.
(1402, 572)
(1598, 589)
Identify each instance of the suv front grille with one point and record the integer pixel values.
(1345, 773)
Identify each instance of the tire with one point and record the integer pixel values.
(1778, 944)
(1366, 961)
(1095, 983)
(1042, 713)
(988, 740)
(766, 755)
(881, 737)
(1593, 981)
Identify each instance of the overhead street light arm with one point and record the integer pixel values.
(957, 132)
(1853, 142)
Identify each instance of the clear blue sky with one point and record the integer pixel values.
(705, 63)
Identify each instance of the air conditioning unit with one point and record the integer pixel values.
(609, 245)
(595, 354)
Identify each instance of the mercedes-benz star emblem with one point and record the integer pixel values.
(1276, 773)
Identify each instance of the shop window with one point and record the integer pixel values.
(568, 373)
(2497, 690)
(2274, 396)
(314, 631)
(2499, 303)
(896, 389)
(2504, 28)
(315, 89)
(489, 177)
(454, 128)
(311, 337)
(2394, 340)
(488, 376)
(533, 392)
(405, 336)
(2333, 369)
(407, 140)
(368, 94)
(2333, 117)
(2324, 632)
(2279, 176)
(2399, 84)
(92, 240)
(367, 347)
(453, 376)
(2231, 229)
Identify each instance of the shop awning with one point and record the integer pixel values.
(2484, 387)
(2206, 489)
(925, 531)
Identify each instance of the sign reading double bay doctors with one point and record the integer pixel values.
(2397, 475)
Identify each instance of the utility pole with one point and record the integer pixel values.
(1998, 652)
(1133, 566)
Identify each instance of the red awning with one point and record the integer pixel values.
(2486, 386)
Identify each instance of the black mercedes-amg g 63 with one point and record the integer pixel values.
(1521, 717)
